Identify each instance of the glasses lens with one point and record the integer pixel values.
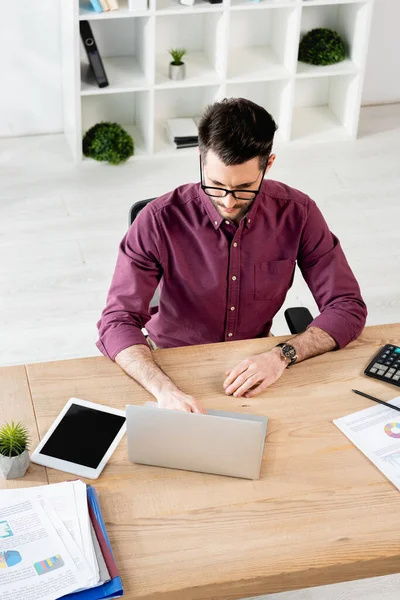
(245, 195)
(215, 192)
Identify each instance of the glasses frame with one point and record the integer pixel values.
(227, 192)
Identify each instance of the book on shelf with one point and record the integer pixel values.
(182, 133)
(68, 544)
(94, 58)
(104, 5)
(113, 4)
(96, 6)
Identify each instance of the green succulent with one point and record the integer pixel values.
(322, 47)
(14, 439)
(177, 55)
(108, 142)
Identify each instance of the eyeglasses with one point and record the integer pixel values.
(217, 192)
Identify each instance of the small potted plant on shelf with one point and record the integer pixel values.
(323, 47)
(108, 142)
(177, 68)
(14, 455)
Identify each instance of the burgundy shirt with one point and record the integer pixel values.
(221, 282)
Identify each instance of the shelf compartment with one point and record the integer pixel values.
(350, 20)
(86, 12)
(260, 44)
(175, 104)
(261, 4)
(202, 35)
(175, 7)
(124, 45)
(274, 96)
(325, 108)
(131, 110)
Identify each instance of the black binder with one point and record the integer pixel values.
(93, 54)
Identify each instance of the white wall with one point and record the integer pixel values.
(382, 77)
(30, 64)
(30, 67)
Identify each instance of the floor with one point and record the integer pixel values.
(60, 227)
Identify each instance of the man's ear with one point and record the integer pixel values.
(271, 161)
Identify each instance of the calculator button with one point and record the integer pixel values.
(390, 347)
(392, 371)
(373, 370)
(396, 377)
(397, 372)
(381, 373)
(383, 367)
(377, 366)
(397, 350)
(388, 375)
(388, 363)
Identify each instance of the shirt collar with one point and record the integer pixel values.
(212, 212)
(216, 218)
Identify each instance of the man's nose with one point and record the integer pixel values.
(229, 201)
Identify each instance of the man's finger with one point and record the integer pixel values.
(238, 382)
(241, 368)
(196, 408)
(249, 383)
(257, 390)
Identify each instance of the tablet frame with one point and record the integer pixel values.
(69, 467)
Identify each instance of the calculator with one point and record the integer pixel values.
(386, 365)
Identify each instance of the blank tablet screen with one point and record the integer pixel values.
(83, 436)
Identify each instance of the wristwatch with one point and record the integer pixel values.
(289, 352)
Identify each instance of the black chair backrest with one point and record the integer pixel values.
(136, 208)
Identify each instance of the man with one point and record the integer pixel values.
(224, 252)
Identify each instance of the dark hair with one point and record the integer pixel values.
(237, 130)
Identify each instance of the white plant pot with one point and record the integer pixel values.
(14, 467)
(177, 72)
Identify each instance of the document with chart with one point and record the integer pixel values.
(376, 432)
(53, 544)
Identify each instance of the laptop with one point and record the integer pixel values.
(222, 443)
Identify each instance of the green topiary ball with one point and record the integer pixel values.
(109, 142)
(322, 47)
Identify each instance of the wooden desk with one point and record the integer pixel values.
(320, 513)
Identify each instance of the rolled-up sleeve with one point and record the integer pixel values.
(325, 269)
(137, 273)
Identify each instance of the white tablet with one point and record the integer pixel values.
(81, 439)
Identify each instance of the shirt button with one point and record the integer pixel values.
(230, 334)
(234, 244)
(215, 222)
(233, 277)
(232, 308)
(227, 222)
(249, 220)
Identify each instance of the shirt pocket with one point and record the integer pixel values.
(273, 278)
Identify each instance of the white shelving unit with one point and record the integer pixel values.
(240, 48)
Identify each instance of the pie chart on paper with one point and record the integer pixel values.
(393, 430)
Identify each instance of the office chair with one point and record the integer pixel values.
(297, 318)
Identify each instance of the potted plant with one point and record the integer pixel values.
(177, 68)
(108, 142)
(322, 46)
(14, 455)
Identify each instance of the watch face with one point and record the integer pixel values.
(289, 351)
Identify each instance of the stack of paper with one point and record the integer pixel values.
(182, 133)
(53, 544)
(376, 432)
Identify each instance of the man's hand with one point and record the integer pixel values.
(254, 374)
(177, 400)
